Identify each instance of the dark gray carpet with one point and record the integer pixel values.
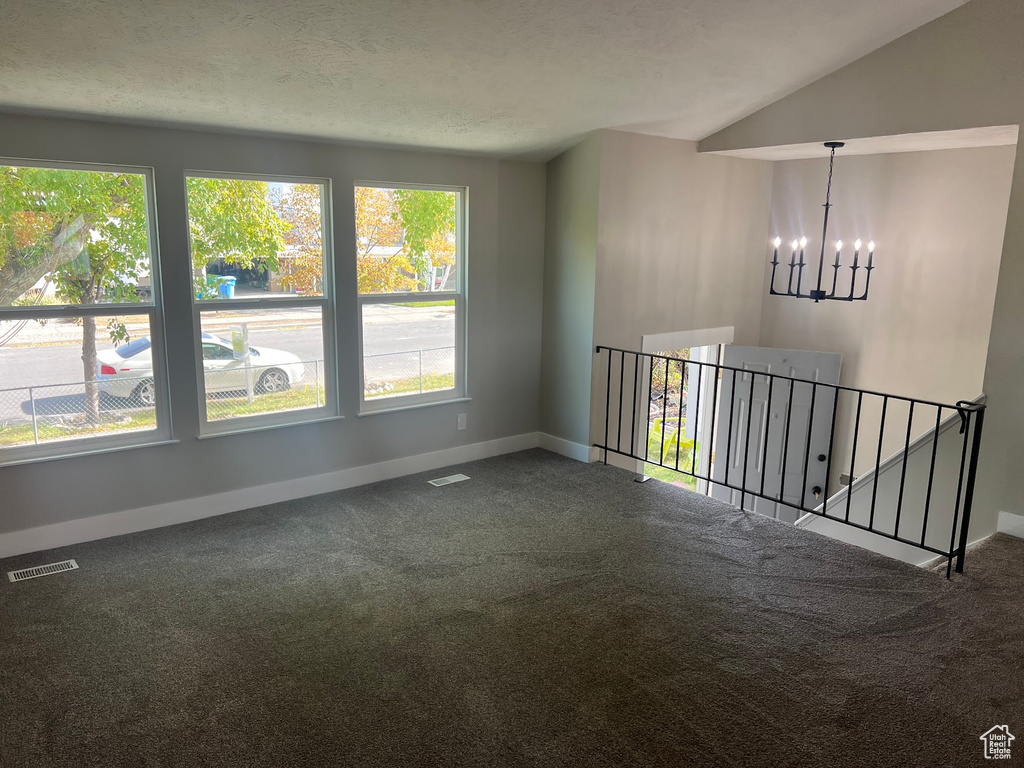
(545, 613)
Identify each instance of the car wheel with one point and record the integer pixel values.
(145, 394)
(274, 380)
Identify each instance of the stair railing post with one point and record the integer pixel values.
(972, 476)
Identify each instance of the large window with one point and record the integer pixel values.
(411, 271)
(261, 291)
(81, 352)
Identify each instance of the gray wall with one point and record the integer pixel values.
(570, 269)
(677, 234)
(506, 245)
(939, 219)
(644, 236)
(963, 70)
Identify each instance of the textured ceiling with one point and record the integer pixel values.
(502, 77)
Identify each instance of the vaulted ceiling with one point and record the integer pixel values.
(505, 77)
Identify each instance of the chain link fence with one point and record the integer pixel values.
(50, 412)
(237, 390)
(406, 373)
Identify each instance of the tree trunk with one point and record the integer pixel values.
(92, 392)
(23, 269)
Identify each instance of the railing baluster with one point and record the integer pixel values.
(903, 472)
(696, 416)
(746, 448)
(622, 370)
(785, 449)
(728, 444)
(853, 455)
(831, 447)
(679, 414)
(767, 433)
(714, 422)
(664, 416)
(632, 416)
(647, 409)
(808, 446)
(931, 474)
(878, 464)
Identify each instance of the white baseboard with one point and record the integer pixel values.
(565, 447)
(187, 510)
(897, 550)
(1011, 524)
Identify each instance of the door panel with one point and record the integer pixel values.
(767, 414)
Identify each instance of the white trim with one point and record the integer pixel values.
(934, 561)
(857, 537)
(187, 510)
(90, 450)
(565, 447)
(405, 406)
(653, 343)
(264, 427)
(1011, 524)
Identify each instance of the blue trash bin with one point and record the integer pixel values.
(226, 286)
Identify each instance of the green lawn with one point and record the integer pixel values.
(448, 303)
(670, 475)
(432, 382)
(217, 408)
(666, 449)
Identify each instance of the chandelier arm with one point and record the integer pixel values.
(867, 285)
(853, 278)
(835, 277)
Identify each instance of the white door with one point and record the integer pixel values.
(751, 429)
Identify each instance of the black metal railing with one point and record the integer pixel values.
(651, 416)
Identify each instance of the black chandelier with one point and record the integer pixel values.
(817, 294)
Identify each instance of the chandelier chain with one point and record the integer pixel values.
(828, 189)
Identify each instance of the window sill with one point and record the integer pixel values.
(87, 452)
(210, 435)
(413, 406)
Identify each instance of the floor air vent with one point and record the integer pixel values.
(448, 480)
(42, 570)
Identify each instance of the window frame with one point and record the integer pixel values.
(460, 295)
(326, 303)
(153, 310)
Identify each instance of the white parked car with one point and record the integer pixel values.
(127, 371)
